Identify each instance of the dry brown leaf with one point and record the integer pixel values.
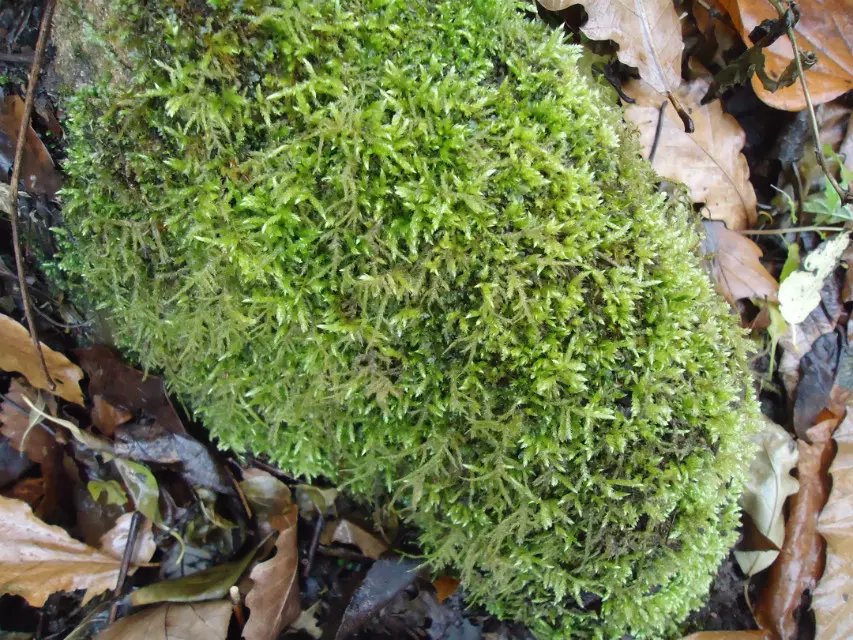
(825, 27)
(273, 599)
(709, 160)
(15, 422)
(445, 586)
(106, 416)
(37, 171)
(37, 559)
(735, 265)
(346, 532)
(729, 635)
(648, 33)
(801, 559)
(19, 354)
(207, 620)
(114, 541)
(847, 289)
(832, 602)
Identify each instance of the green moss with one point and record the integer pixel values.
(410, 246)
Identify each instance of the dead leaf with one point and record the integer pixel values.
(29, 490)
(769, 483)
(824, 374)
(15, 421)
(729, 635)
(126, 387)
(735, 265)
(106, 416)
(347, 532)
(825, 27)
(801, 560)
(208, 620)
(832, 602)
(114, 541)
(19, 354)
(847, 290)
(709, 160)
(37, 559)
(648, 33)
(799, 293)
(445, 586)
(273, 599)
(38, 174)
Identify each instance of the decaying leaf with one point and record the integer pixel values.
(825, 27)
(832, 602)
(273, 599)
(769, 484)
(729, 635)
(106, 416)
(825, 380)
(37, 559)
(445, 586)
(801, 559)
(735, 266)
(207, 620)
(36, 442)
(114, 541)
(647, 31)
(347, 532)
(37, 171)
(799, 294)
(312, 500)
(709, 160)
(19, 354)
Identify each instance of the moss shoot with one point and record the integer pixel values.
(410, 246)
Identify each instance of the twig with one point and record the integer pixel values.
(16, 58)
(315, 541)
(658, 129)
(780, 232)
(126, 557)
(844, 194)
(44, 31)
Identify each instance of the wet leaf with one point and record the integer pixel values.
(273, 599)
(801, 560)
(210, 584)
(114, 541)
(825, 27)
(112, 489)
(15, 423)
(127, 388)
(38, 174)
(37, 559)
(347, 532)
(267, 495)
(312, 499)
(19, 354)
(106, 416)
(445, 586)
(709, 160)
(647, 31)
(799, 294)
(769, 483)
(832, 602)
(385, 579)
(207, 620)
(735, 266)
(829, 358)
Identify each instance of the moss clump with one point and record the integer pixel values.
(410, 246)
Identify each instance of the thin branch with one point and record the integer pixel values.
(44, 32)
(16, 58)
(780, 232)
(136, 521)
(658, 130)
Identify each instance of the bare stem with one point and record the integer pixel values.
(780, 232)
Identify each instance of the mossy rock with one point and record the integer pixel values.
(411, 246)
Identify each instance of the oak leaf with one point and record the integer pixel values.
(825, 27)
(648, 33)
(735, 267)
(208, 620)
(708, 161)
(19, 354)
(832, 601)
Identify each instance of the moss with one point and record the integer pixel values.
(411, 247)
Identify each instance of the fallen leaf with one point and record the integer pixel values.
(208, 620)
(386, 578)
(106, 416)
(648, 33)
(347, 532)
(709, 160)
(114, 541)
(13, 463)
(267, 495)
(38, 174)
(29, 490)
(820, 371)
(769, 483)
(729, 635)
(36, 442)
(445, 586)
(799, 294)
(19, 354)
(825, 27)
(128, 388)
(847, 291)
(832, 601)
(801, 559)
(37, 559)
(312, 500)
(273, 599)
(735, 266)
(307, 622)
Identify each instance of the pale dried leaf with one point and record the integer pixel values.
(825, 27)
(273, 599)
(832, 601)
(37, 559)
(114, 541)
(207, 620)
(19, 354)
(799, 294)
(769, 483)
(735, 266)
(347, 532)
(708, 161)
